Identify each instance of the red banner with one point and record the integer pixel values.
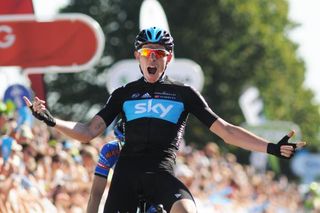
(70, 42)
(16, 7)
(9, 7)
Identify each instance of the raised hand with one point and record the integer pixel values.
(283, 148)
(39, 111)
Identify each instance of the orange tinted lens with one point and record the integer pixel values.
(145, 52)
(158, 53)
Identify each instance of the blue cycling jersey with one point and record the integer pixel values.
(108, 156)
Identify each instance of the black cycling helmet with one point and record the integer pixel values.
(154, 35)
(119, 130)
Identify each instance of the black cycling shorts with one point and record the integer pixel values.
(157, 187)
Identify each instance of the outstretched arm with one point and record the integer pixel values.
(83, 132)
(240, 137)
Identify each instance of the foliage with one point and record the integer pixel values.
(237, 44)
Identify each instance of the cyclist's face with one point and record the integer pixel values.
(153, 60)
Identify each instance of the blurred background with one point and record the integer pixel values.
(258, 71)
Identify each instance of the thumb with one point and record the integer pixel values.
(285, 139)
(27, 101)
(291, 133)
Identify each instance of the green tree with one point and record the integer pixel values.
(237, 44)
(241, 43)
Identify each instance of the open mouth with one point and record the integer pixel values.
(152, 70)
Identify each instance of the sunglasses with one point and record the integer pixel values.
(159, 53)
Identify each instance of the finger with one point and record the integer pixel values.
(286, 152)
(39, 100)
(286, 147)
(301, 144)
(27, 101)
(38, 105)
(39, 108)
(291, 133)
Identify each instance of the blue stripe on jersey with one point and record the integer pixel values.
(153, 108)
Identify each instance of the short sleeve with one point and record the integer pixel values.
(196, 105)
(113, 107)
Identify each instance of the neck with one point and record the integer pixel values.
(162, 77)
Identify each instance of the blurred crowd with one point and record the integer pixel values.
(43, 171)
(220, 184)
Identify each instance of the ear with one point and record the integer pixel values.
(169, 57)
(137, 55)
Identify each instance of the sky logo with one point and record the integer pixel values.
(153, 108)
(142, 108)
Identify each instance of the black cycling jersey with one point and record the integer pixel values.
(155, 116)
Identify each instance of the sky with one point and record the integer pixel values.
(48, 7)
(307, 35)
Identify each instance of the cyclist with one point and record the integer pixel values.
(155, 110)
(108, 156)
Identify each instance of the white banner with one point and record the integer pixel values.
(183, 70)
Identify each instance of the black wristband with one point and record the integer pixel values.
(44, 116)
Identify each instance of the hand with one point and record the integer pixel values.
(284, 149)
(39, 111)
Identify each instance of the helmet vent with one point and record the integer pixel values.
(149, 35)
(158, 35)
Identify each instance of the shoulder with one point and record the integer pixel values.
(186, 91)
(185, 88)
(171, 81)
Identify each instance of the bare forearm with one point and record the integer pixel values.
(78, 131)
(245, 139)
(238, 136)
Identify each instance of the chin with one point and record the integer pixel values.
(152, 79)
